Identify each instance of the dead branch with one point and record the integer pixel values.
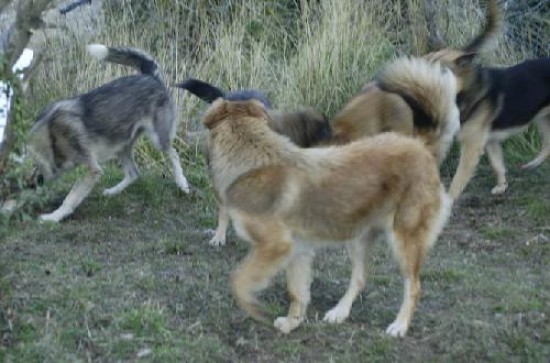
(74, 5)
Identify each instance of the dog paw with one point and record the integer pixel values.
(111, 191)
(336, 315)
(216, 240)
(397, 329)
(499, 189)
(50, 217)
(285, 324)
(184, 186)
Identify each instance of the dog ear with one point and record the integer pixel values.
(256, 109)
(215, 114)
(465, 60)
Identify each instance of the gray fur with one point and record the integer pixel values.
(103, 124)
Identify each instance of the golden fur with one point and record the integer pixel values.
(305, 127)
(288, 201)
(410, 96)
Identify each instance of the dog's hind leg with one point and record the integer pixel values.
(180, 179)
(410, 251)
(131, 171)
(272, 247)
(496, 159)
(78, 192)
(162, 133)
(358, 252)
(298, 277)
(543, 123)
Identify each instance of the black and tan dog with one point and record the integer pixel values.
(287, 201)
(305, 127)
(495, 103)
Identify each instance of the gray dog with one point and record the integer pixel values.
(104, 124)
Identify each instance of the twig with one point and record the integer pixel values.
(73, 6)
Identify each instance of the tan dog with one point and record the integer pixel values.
(287, 201)
(304, 127)
(411, 96)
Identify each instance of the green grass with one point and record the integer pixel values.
(132, 278)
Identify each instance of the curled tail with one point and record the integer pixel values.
(132, 57)
(493, 23)
(428, 88)
(204, 91)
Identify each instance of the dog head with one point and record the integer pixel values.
(225, 111)
(463, 61)
(463, 64)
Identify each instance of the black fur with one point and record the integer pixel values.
(210, 93)
(524, 89)
(421, 118)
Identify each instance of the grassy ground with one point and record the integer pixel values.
(132, 278)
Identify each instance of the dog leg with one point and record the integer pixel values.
(411, 255)
(544, 129)
(494, 152)
(181, 181)
(131, 173)
(78, 193)
(472, 140)
(358, 252)
(298, 277)
(271, 250)
(221, 229)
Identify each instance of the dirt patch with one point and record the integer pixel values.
(132, 277)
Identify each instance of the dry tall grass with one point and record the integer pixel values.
(315, 53)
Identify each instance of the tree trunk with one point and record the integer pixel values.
(12, 43)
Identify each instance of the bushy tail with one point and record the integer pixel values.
(204, 91)
(428, 88)
(131, 57)
(493, 23)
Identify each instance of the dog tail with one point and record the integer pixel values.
(131, 57)
(204, 91)
(428, 88)
(493, 23)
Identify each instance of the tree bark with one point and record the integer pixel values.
(12, 43)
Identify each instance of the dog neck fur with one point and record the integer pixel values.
(237, 145)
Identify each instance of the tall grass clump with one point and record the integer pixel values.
(300, 53)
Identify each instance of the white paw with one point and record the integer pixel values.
(397, 329)
(111, 191)
(183, 185)
(336, 315)
(285, 324)
(50, 217)
(217, 241)
(499, 189)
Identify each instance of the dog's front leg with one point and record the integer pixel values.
(221, 230)
(298, 277)
(272, 247)
(78, 192)
(472, 141)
